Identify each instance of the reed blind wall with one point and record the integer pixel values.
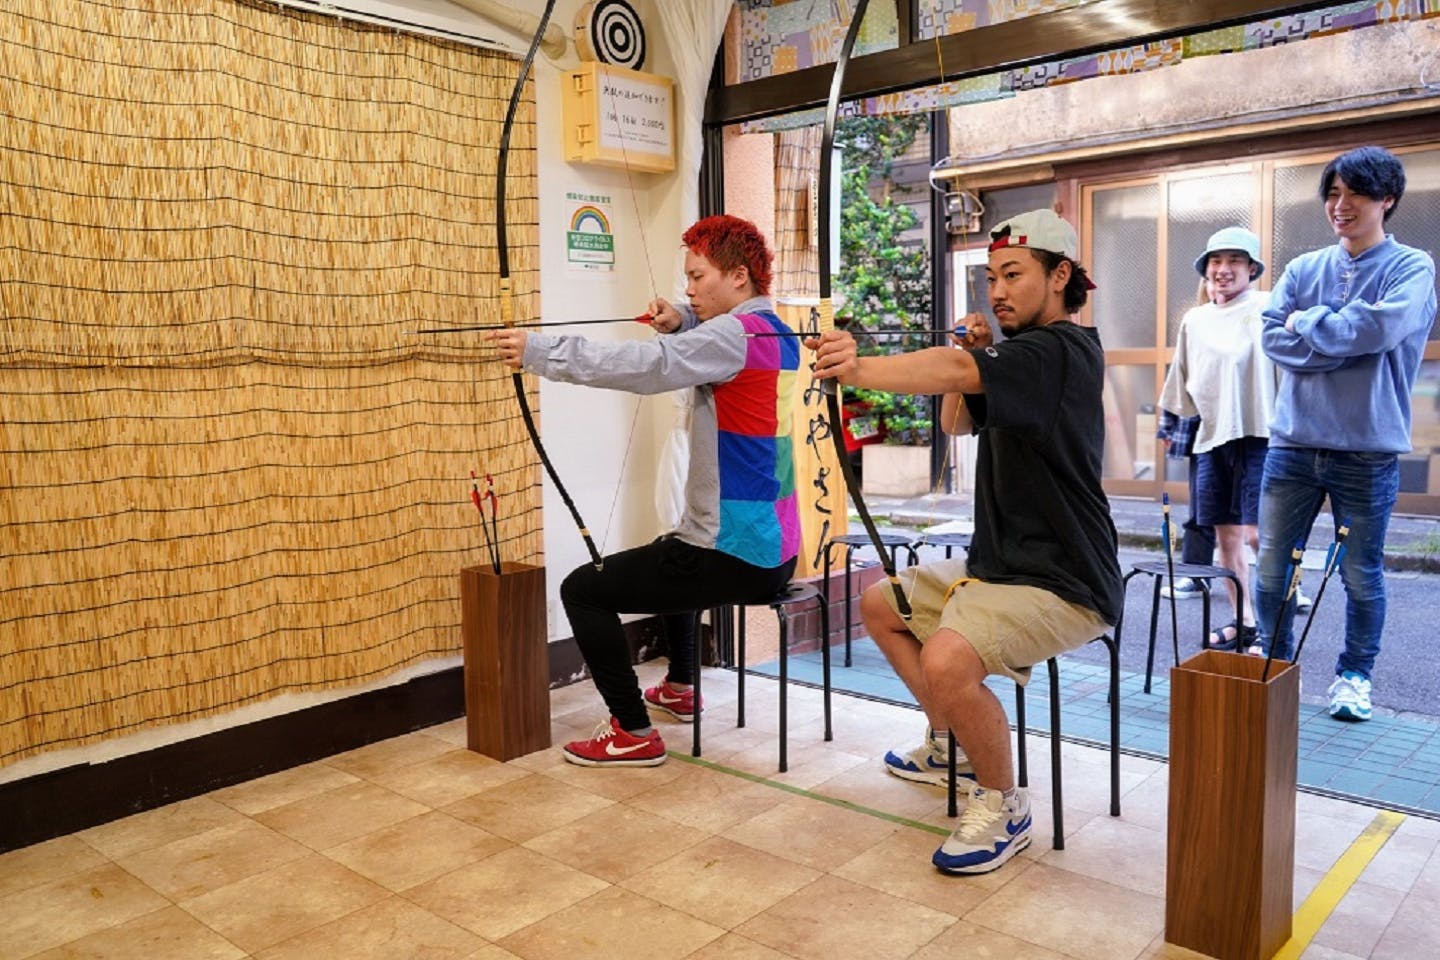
(228, 468)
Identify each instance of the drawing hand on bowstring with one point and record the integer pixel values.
(978, 334)
(664, 318)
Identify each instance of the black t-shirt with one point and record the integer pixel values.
(1041, 517)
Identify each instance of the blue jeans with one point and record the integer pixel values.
(1362, 489)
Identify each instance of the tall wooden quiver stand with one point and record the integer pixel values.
(507, 660)
(1231, 849)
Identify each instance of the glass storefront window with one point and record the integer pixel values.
(1125, 230)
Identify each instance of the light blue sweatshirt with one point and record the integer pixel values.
(1347, 369)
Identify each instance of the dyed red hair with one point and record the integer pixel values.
(730, 242)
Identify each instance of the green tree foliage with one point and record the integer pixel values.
(885, 282)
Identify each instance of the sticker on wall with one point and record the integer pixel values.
(589, 241)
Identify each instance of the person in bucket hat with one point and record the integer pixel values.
(1221, 375)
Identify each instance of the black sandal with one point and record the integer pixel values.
(1226, 637)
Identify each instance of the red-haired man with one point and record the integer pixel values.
(740, 532)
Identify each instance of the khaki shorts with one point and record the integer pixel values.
(1012, 627)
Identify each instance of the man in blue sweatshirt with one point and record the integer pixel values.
(1347, 327)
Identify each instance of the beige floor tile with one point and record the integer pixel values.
(1309, 805)
(1315, 951)
(208, 861)
(1147, 804)
(901, 867)
(1359, 920)
(1413, 932)
(412, 851)
(720, 881)
(449, 777)
(1114, 851)
(1160, 950)
(1306, 879)
(616, 842)
(161, 825)
(614, 923)
(1320, 840)
(834, 919)
(614, 783)
(810, 762)
(868, 785)
(274, 906)
(1047, 906)
(812, 832)
(331, 818)
(44, 862)
(732, 946)
(1400, 861)
(969, 940)
(76, 906)
(386, 755)
(168, 934)
(526, 808)
(278, 789)
(496, 896)
(393, 929)
(707, 799)
(721, 739)
(492, 952)
(453, 732)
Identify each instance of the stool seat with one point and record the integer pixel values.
(944, 540)
(863, 540)
(1160, 571)
(1195, 571)
(849, 542)
(792, 599)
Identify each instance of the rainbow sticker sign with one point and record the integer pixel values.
(589, 243)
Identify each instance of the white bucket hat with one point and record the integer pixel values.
(1232, 238)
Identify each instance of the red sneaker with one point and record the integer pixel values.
(611, 746)
(680, 704)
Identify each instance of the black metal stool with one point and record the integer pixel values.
(947, 540)
(789, 602)
(893, 542)
(1201, 573)
(1022, 776)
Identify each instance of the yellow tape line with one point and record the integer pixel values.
(1334, 885)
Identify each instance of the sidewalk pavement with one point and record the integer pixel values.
(1412, 543)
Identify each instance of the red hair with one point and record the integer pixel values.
(730, 242)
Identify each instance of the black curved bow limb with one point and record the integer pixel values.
(507, 303)
(826, 314)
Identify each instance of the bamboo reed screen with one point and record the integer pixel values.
(228, 468)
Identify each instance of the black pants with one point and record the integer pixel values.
(1198, 543)
(668, 577)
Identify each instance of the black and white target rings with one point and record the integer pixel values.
(610, 31)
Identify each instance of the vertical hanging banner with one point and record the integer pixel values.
(589, 241)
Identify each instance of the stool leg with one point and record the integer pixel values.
(849, 562)
(1055, 793)
(953, 807)
(695, 682)
(740, 668)
(784, 679)
(1205, 619)
(1022, 776)
(1114, 649)
(1154, 622)
(825, 665)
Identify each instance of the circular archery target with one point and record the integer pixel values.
(610, 31)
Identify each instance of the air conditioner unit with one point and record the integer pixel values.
(435, 18)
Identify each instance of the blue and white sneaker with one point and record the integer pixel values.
(929, 762)
(1350, 697)
(991, 831)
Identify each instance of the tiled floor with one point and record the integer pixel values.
(1392, 761)
(416, 849)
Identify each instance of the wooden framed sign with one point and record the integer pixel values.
(619, 118)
